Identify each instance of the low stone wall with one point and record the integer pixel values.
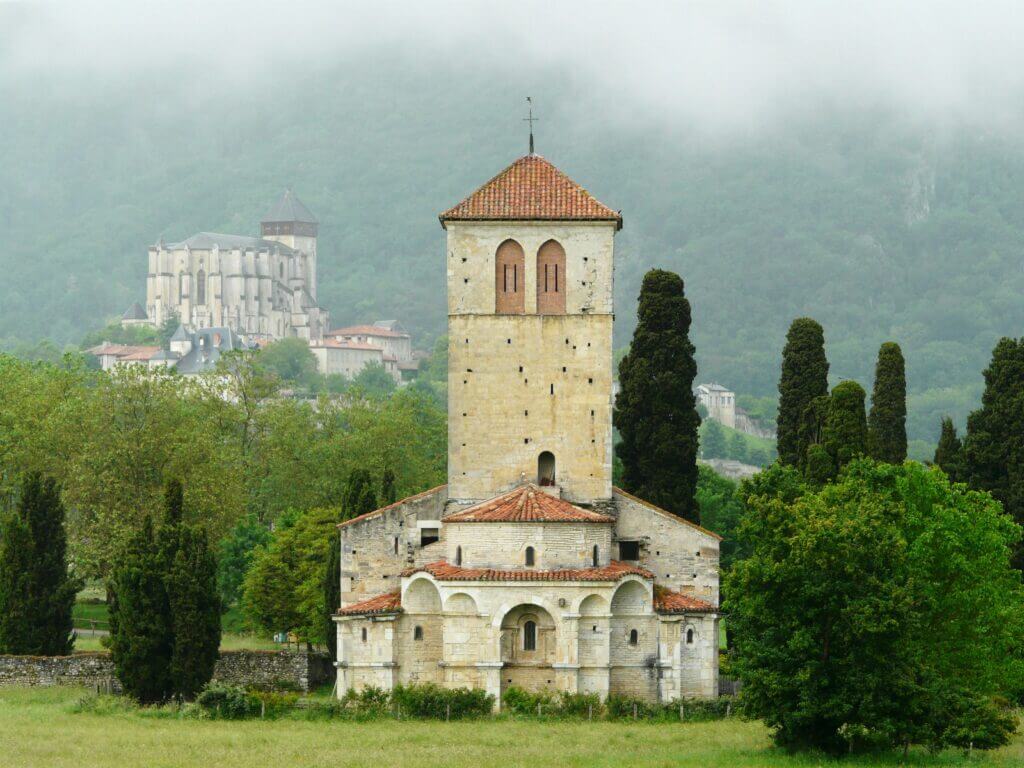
(262, 669)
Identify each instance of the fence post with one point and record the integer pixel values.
(634, 710)
(728, 709)
(447, 712)
(538, 709)
(590, 711)
(680, 712)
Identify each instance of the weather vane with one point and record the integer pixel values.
(530, 120)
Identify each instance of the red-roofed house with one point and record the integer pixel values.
(528, 568)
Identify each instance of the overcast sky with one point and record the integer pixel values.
(719, 65)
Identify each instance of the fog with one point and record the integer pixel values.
(715, 67)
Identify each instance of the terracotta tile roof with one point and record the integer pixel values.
(611, 572)
(668, 601)
(122, 350)
(527, 504)
(376, 512)
(664, 512)
(367, 330)
(388, 603)
(531, 189)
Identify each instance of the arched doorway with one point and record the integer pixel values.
(546, 468)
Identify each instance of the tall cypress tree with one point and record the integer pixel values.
(332, 595)
(994, 444)
(195, 613)
(887, 422)
(845, 434)
(655, 410)
(360, 495)
(36, 592)
(949, 454)
(804, 377)
(141, 632)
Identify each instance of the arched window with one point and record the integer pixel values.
(201, 287)
(597, 556)
(509, 271)
(458, 555)
(689, 636)
(530, 636)
(364, 634)
(529, 556)
(551, 279)
(417, 633)
(546, 468)
(634, 637)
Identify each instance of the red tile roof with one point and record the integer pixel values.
(137, 352)
(531, 189)
(527, 504)
(367, 330)
(388, 603)
(668, 601)
(374, 513)
(611, 572)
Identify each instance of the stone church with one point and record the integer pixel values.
(529, 568)
(263, 288)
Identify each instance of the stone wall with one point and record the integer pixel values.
(503, 545)
(265, 669)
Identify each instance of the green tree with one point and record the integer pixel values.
(737, 450)
(994, 445)
(720, 511)
(877, 611)
(388, 494)
(360, 494)
(141, 628)
(284, 589)
(37, 593)
(655, 410)
(195, 612)
(713, 440)
(234, 557)
(374, 381)
(804, 378)
(845, 433)
(292, 361)
(758, 457)
(887, 422)
(949, 454)
(332, 595)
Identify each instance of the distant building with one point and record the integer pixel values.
(388, 336)
(262, 287)
(190, 352)
(720, 403)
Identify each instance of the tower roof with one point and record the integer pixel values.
(135, 312)
(531, 189)
(288, 208)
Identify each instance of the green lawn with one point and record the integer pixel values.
(38, 728)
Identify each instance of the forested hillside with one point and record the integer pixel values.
(878, 229)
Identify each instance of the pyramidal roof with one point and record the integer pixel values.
(531, 189)
(289, 208)
(527, 504)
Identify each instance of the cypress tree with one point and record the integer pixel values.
(332, 595)
(359, 496)
(845, 433)
(141, 633)
(993, 448)
(36, 593)
(655, 410)
(949, 455)
(388, 494)
(804, 377)
(195, 613)
(887, 422)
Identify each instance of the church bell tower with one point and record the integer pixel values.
(529, 266)
(290, 222)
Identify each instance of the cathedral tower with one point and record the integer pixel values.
(529, 263)
(290, 222)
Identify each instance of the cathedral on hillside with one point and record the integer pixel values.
(528, 568)
(262, 288)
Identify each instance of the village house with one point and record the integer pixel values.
(528, 568)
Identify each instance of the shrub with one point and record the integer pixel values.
(518, 701)
(579, 705)
(432, 701)
(623, 707)
(230, 702)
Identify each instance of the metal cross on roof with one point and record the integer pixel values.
(530, 120)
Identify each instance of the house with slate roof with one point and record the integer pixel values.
(528, 568)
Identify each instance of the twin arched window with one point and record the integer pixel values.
(510, 271)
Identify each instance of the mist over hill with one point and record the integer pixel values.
(878, 224)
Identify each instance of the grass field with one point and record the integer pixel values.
(38, 727)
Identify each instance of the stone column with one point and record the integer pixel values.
(567, 655)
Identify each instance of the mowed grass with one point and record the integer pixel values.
(38, 727)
